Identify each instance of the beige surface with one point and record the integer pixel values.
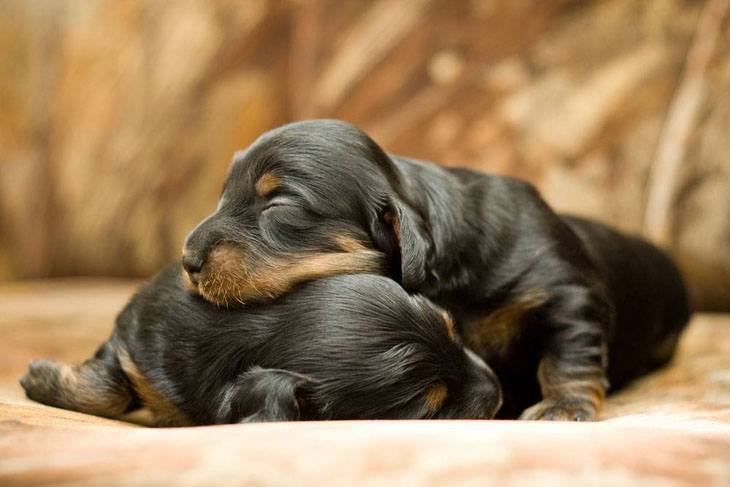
(672, 428)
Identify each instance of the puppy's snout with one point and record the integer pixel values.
(198, 245)
(485, 384)
(192, 263)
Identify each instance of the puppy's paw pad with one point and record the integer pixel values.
(549, 410)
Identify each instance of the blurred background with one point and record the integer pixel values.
(118, 118)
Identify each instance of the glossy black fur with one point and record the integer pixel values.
(586, 303)
(648, 295)
(345, 347)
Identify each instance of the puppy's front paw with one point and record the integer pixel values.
(40, 379)
(560, 410)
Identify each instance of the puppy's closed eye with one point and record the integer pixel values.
(278, 203)
(289, 216)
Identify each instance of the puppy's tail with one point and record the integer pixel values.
(97, 386)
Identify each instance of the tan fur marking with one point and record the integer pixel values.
(267, 183)
(498, 330)
(93, 391)
(348, 244)
(164, 412)
(449, 323)
(435, 396)
(228, 277)
(67, 376)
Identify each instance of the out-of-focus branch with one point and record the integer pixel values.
(303, 57)
(671, 149)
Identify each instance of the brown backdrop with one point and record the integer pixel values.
(119, 117)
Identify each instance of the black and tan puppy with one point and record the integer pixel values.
(556, 305)
(345, 347)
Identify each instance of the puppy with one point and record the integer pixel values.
(345, 347)
(557, 305)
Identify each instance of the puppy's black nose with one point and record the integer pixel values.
(192, 263)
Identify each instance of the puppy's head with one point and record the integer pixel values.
(307, 200)
(370, 350)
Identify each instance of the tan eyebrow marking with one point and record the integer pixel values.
(267, 183)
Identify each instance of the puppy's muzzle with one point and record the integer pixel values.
(484, 384)
(193, 265)
(198, 245)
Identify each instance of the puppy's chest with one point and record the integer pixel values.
(504, 332)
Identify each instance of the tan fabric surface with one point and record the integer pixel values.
(672, 428)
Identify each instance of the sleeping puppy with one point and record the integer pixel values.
(345, 347)
(556, 305)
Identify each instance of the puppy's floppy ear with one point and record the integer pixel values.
(266, 395)
(401, 229)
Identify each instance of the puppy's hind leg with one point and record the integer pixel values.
(98, 386)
